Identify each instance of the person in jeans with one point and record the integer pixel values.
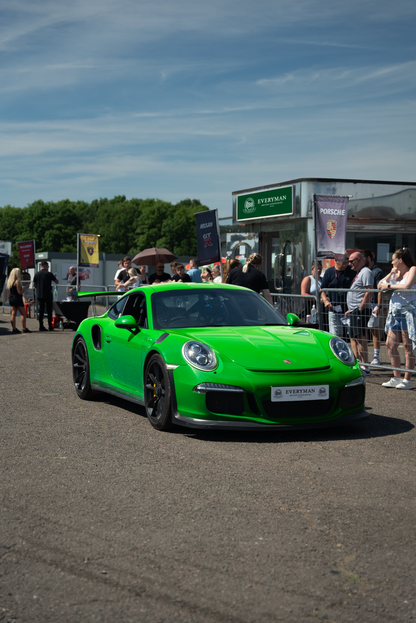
(359, 308)
(339, 276)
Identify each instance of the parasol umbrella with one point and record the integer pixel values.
(152, 256)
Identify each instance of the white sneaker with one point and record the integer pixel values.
(404, 385)
(375, 362)
(394, 382)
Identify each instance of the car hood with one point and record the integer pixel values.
(265, 348)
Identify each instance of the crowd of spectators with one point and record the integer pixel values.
(353, 310)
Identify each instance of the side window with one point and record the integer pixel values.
(117, 309)
(136, 307)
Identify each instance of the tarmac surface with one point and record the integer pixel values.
(105, 519)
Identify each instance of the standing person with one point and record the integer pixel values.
(229, 265)
(42, 282)
(308, 284)
(118, 271)
(401, 321)
(181, 276)
(374, 321)
(308, 288)
(123, 275)
(14, 285)
(173, 268)
(250, 276)
(71, 284)
(216, 273)
(133, 281)
(338, 276)
(206, 274)
(359, 309)
(194, 272)
(159, 276)
(143, 275)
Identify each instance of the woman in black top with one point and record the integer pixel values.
(250, 276)
(14, 285)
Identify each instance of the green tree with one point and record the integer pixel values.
(125, 226)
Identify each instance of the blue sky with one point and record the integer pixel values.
(189, 98)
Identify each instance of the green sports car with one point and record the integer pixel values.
(216, 356)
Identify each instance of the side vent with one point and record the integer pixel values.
(96, 336)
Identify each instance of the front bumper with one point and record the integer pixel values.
(251, 407)
(189, 422)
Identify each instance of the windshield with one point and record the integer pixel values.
(213, 308)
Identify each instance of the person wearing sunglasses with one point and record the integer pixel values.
(359, 308)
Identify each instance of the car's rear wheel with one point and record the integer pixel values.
(81, 370)
(157, 394)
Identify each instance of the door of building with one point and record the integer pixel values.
(276, 249)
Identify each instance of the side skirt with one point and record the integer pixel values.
(113, 392)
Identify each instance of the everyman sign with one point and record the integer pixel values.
(265, 204)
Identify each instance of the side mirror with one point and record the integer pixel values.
(292, 319)
(126, 322)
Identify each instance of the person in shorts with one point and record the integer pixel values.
(359, 308)
(401, 321)
(338, 276)
(373, 323)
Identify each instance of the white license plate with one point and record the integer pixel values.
(300, 392)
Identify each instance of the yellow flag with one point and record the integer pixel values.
(88, 250)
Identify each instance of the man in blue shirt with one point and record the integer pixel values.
(194, 272)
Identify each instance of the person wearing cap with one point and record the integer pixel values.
(339, 276)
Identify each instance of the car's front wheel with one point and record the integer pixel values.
(81, 370)
(157, 394)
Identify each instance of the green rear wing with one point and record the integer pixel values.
(84, 295)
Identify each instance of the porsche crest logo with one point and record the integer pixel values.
(331, 228)
(90, 250)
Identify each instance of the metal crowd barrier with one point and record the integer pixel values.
(375, 336)
(284, 303)
(60, 293)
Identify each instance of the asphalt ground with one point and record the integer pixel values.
(105, 519)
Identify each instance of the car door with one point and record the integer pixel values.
(127, 348)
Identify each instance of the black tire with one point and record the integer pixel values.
(81, 370)
(157, 394)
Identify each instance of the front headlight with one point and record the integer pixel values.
(199, 355)
(342, 351)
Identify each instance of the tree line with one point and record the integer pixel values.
(125, 226)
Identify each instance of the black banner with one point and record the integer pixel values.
(208, 244)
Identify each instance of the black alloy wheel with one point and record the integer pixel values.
(157, 394)
(81, 370)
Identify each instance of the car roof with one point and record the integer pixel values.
(166, 287)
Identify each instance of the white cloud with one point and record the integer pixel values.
(196, 98)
